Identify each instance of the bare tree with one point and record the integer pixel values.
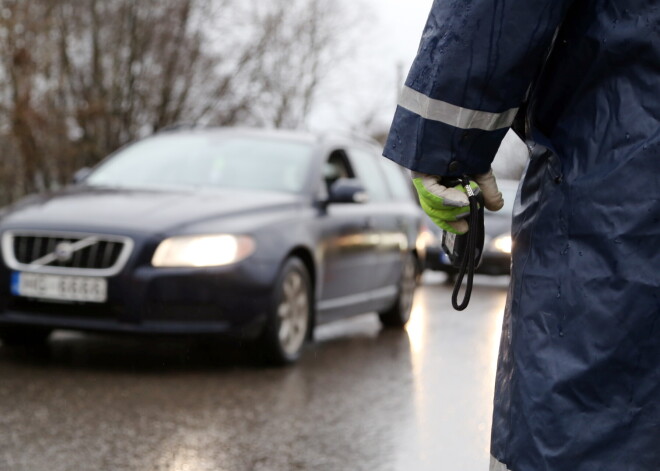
(81, 78)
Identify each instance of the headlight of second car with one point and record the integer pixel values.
(502, 243)
(203, 250)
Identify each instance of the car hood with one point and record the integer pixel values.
(146, 211)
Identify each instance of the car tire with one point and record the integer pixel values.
(290, 316)
(398, 315)
(24, 336)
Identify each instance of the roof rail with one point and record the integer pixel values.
(350, 135)
(177, 127)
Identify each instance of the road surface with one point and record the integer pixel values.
(362, 398)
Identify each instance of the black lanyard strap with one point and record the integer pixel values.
(470, 259)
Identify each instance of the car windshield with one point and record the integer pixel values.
(208, 161)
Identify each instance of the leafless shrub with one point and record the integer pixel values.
(81, 78)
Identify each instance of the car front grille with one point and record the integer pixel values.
(91, 254)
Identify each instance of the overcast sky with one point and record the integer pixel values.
(366, 85)
(401, 25)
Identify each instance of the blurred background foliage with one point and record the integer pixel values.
(81, 78)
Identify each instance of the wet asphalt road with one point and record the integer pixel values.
(362, 398)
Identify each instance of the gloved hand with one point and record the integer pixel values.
(446, 206)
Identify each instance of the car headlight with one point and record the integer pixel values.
(202, 251)
(502, 243)
(425, 239)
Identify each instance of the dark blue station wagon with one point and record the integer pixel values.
(257, 234)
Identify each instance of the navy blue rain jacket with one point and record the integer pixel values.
(578, 381)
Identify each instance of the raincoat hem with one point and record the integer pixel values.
(496, 465)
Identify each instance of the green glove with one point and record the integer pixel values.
(448, 206)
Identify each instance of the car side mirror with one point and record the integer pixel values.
(81, 175)
(347, 190)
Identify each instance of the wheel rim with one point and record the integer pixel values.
(408, 284)
(293, 313)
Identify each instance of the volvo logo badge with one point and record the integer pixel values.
(64, 252)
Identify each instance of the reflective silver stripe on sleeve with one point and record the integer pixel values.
(496, 465)
(464, 118)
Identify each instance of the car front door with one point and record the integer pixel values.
(346, 246)
(392, 217)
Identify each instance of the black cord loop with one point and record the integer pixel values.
(469, 261)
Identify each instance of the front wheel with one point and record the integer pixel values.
(289, 320)
(398, 315)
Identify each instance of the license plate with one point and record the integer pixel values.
(59, 287)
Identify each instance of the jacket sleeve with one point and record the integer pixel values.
(474, 66)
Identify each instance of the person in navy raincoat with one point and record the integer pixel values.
(578, 381)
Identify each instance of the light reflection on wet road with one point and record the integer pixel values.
(361, 399)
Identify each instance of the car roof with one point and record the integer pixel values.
(313, 138)
(245, 132)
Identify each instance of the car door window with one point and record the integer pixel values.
(370, 174)
(336, 167)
